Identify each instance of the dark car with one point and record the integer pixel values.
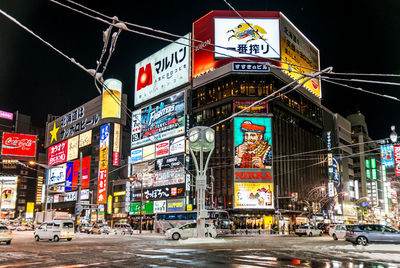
(372, 233)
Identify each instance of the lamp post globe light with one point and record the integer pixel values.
(393, 134)
(201, 139)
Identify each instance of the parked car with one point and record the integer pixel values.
(123, 228)
(85, 227)
(24, 228)
(339, 231)
(100, 229)
(55, 230)
(5, 234)
(309, 230)
(189, 230)
(372, 233)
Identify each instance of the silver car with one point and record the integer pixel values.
(372, 233)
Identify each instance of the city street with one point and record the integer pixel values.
(150, 250)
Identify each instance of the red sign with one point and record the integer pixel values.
(396, 154)
(18, 145)
(162, 149)
(57, 154)
(85, 173)
(144, 77)
(116, 158)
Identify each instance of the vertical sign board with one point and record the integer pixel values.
(117, 134)
(253, 179)
(103, 164)
(396, 155)
(57, 154)
(387, 155)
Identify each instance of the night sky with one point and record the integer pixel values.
(352, 36)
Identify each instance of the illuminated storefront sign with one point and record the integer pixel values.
(58, 153)
(170, 162)
(162, 149)
(259, 39)
(136, 155)
(253, 177)
(56, 174)
(396, 155)
(162, 192)
(149, 152)
(261, 107)
(256, 67)
(8, 186)
(147, 208)
(334, 169)
(163, 71)
(85, 139)
(175, 205)
(177, 145)
(111, 99)
(14, 144)
(160, 206)
(159, 121)
(169, 177)
(6, 115)
(72, 151)
(103, 164)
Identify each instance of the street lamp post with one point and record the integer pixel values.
(201, 139)
(132, 179)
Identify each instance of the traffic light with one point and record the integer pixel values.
(294, 197)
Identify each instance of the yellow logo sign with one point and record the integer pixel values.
(53, 133)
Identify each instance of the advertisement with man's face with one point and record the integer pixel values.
(253, 177)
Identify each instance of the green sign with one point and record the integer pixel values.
(147, 208)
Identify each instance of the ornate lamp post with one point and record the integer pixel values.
(201, 139)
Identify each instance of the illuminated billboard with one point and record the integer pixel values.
(302, 56)
(253, 176)
(396, 155)
(387, 155)
(254, 195)
(103, 164)
(161, 120)
(57, 174)
(163, 71)
(6, 115)
(111, 99)
(14, 144)
(257, 38)
(8, 186)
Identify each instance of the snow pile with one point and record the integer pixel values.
(190, 241)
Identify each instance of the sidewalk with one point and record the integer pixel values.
(252, 232)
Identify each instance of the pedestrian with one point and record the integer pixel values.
(283, 228)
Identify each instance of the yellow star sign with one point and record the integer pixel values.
(53, 133)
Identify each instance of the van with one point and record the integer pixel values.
(55, 230)
(123, 228)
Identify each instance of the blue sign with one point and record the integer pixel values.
(335, 169)
(387, 155)
(68, 177)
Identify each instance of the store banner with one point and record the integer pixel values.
(174, 205)
(57, 174)
(117, 134)
(72, 151)
(170, 162)
(103, 164)
(396, 155)
(387, 155)
(162, 192)
(254, 195)
(160, 206)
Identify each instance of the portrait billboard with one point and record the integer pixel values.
(253, 176)
(8, 186)
(159, 121)
(14, 144)
(259, 37)
(163, 71)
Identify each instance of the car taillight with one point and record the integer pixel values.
(351, 232)
(10, 232)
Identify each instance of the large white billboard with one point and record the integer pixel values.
(57, 174)
(256, 38)
(162, 71)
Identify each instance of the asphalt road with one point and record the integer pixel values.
(156, 251)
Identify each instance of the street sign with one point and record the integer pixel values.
(201, 183)
(78, 209)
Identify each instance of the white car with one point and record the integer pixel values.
(309, 230)
(189, 230)
(339, 231)
(5, 234)
(55, 230)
